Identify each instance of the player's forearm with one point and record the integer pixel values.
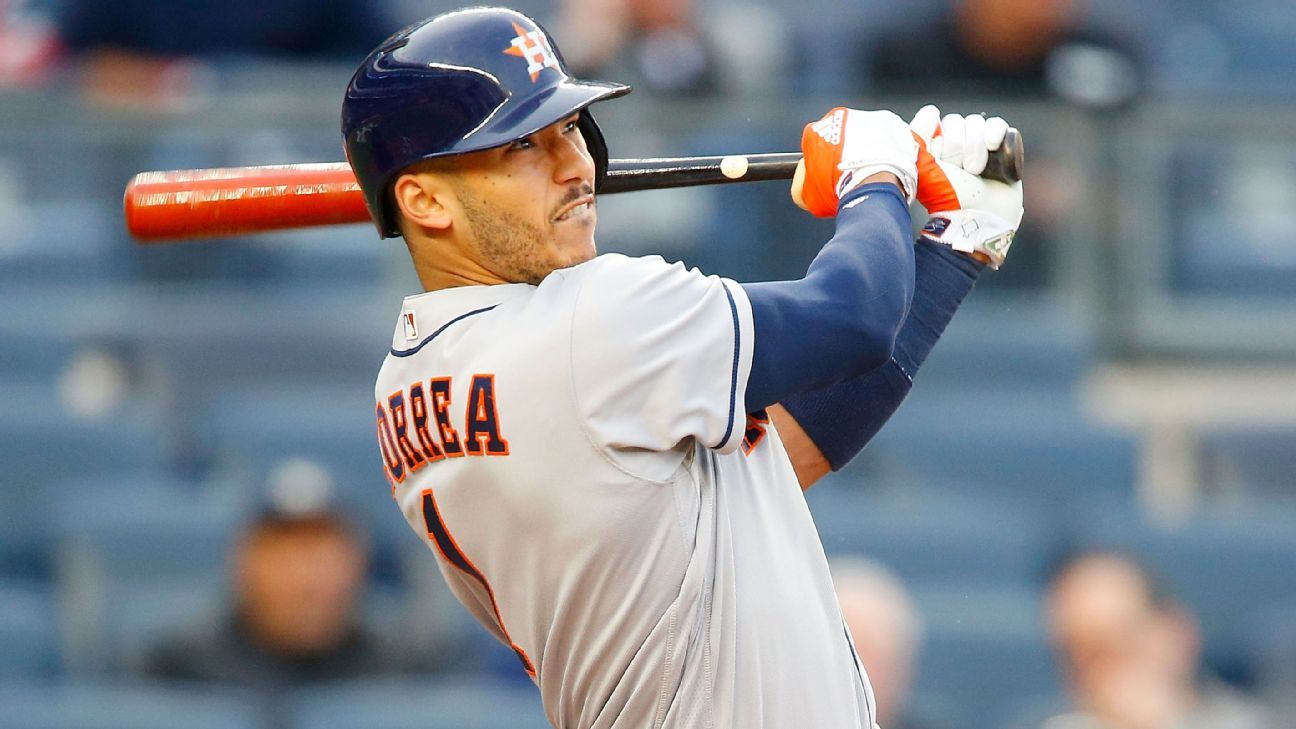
(842, 319)
(841, 419)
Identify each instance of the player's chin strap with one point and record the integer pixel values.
(972, 231)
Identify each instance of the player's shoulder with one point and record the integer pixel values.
(619, 265)
(634, 280)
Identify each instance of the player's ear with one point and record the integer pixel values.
(423, 200)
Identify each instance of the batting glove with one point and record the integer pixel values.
(844, 148)
(968, 213)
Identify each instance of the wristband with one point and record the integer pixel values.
(972, 232)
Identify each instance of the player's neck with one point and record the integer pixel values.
(442, 266)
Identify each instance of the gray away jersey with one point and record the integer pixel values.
(577, 456)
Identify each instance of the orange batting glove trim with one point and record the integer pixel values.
(935, 191)
(821, 146)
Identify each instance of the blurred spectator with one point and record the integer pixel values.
(1033, 48)
(298, 573)
(322, 29)
(677, 47)
(155, 52)
(29, 45)
(1130, 653)
(887, 630)
(657, 45)
(98, 380)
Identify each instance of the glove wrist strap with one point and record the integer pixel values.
(972, 232)
(854, 176)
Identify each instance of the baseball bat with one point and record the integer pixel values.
(179, 205)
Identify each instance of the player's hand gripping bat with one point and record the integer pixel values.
(163, 207)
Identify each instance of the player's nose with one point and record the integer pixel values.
(572, 160)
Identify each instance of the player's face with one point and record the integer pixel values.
(529, 206)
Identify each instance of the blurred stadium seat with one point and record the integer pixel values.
(137, 556)
(1032, 447)
(254, 428)
(1251, 463)
(61, 240)
(28, 630)
(983, 651)
(1271, 648)
(1011, 341)
(110, 706)
(137, 617)
(927, 535)
(42, 442)
(418, 704)
(215, 336)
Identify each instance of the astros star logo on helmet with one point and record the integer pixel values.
(533, 46)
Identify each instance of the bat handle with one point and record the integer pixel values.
(1007, 163)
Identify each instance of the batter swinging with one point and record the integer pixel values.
(607, 454)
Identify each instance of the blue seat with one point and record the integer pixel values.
(24, 549)
(1257, 461)
(336, 255)
(108, 706)
(136, 619)
(33, 357)
(1030, 446)
(55, 232)
(1012, 342)
(144, 527)
(138, 557)
(1248, 33)
(28, 630)
(253, 429)
(417, 704)
(221, 335)
(984, 650)
(332, 423)
(42, 443)
(1272, 651)
(925, 536)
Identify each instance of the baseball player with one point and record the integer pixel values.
(606, 454)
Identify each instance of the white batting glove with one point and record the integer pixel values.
(845, 147)
(968, 213)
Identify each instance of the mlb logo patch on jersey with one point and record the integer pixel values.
(411, 326)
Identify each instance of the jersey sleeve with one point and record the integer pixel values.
(660, 354)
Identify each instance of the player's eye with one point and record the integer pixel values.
(520, 144)
(571, 124)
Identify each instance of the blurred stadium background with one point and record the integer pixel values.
(1128, 379)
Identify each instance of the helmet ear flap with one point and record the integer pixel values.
(596, 145)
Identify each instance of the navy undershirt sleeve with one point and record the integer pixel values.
(841, 418)
(842, 318)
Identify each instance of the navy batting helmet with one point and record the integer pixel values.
(459, 82)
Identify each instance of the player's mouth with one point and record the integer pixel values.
(578, 208)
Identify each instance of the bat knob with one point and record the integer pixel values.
(798, 182)
(1007, 163)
